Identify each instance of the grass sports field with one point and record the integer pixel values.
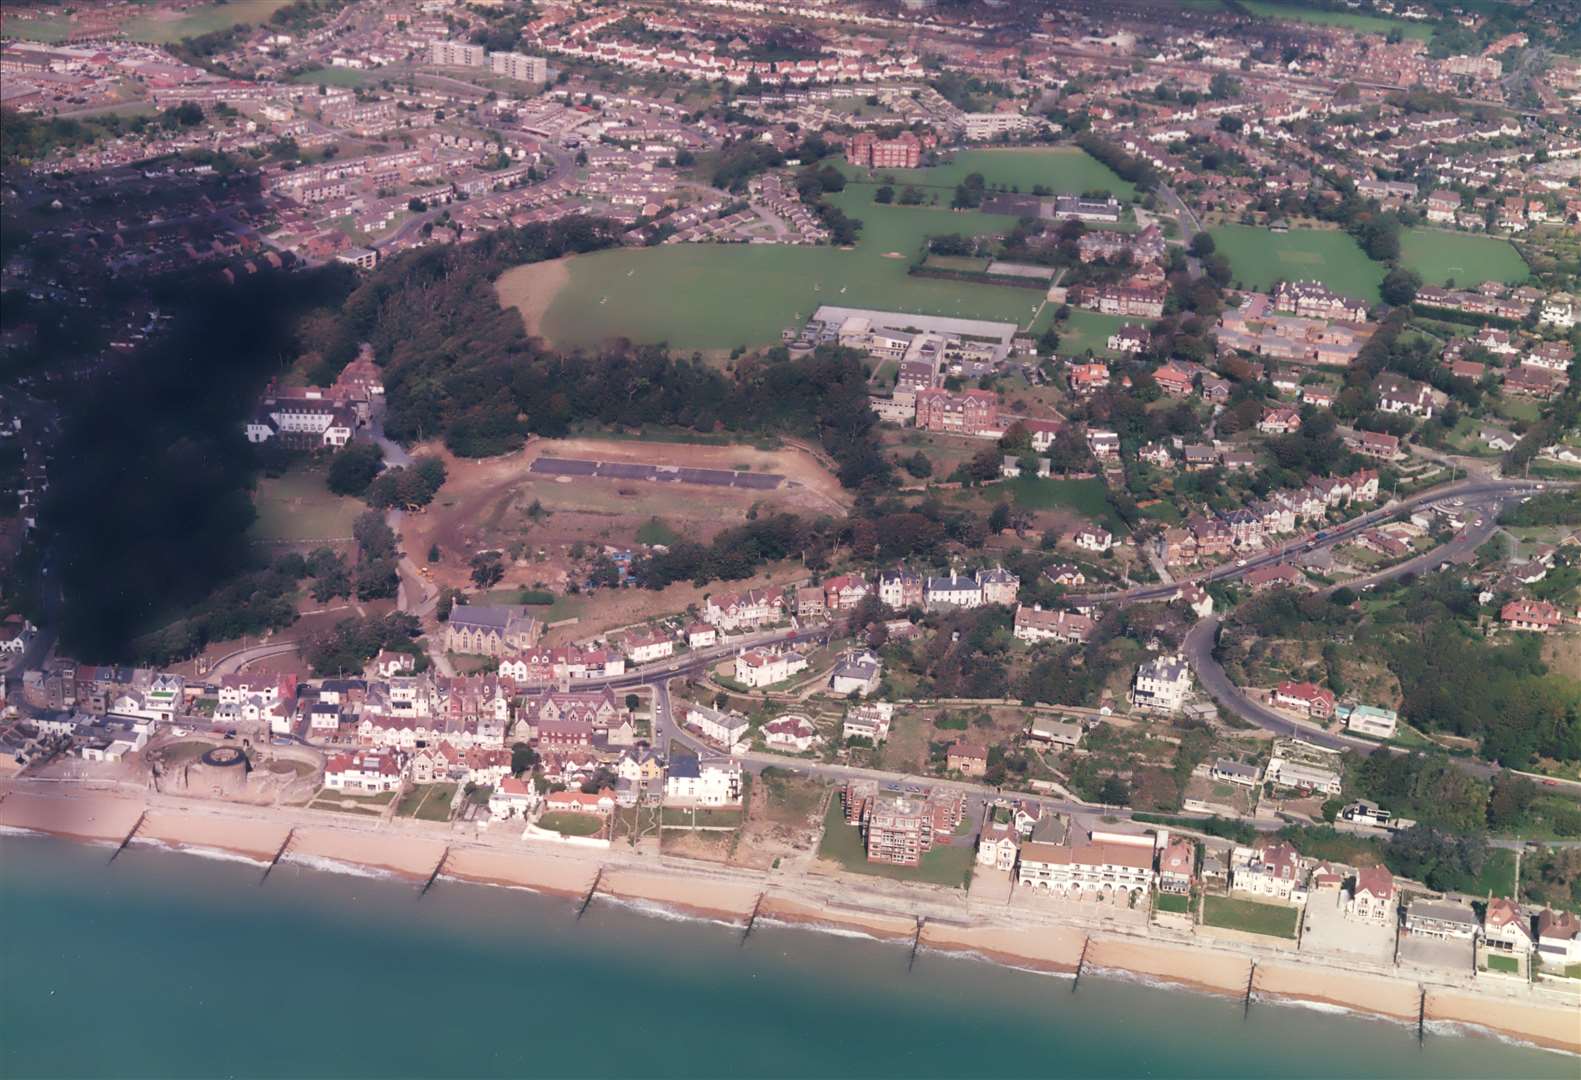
(1350, 20)
(1468, 260)
(1259, 258)
(50, 29)
(718, 296)
(297, 507)
(165, 25)
(1065, 170)
(333, 77)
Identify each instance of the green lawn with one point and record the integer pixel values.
(1351, 20)
(1064, 170)
(1258, 258)
(298, 507)
(1441, 256)
(842, 843)
(1180, 905)
(1086, 497)
(1506, 964)
(1250, 916)
(202, 19)
(1083, 330)
(569, 823)
(334, 76)
(718, 296)
(49, 30)
(656, 531)
(433, 802)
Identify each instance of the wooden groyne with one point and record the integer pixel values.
(1421, 1018)
(916, 943)
(138, 824)
(591, 891)
(752, 919)
(278, 855)
(1081, 964)
(438, 868)
(1246, 1002)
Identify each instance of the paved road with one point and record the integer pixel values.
(236, 662)
(1202, 639)
(1473, 493)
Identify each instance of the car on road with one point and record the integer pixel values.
(1550, 783)
(1240, 562)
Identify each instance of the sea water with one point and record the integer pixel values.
(164, 964)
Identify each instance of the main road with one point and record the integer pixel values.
(1478, 495)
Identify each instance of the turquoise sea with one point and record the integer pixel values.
(169, 965)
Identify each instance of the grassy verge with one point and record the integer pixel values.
(1172, 902)
(569, 823)
(1250, 917)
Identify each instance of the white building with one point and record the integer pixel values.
(513, 798)
(711, 781)
(1033, 624)
(757, 669)
(456, 54)
(1272, 870)
(647, 645)
(952, 592)
(858, 672)
(1558, 310)
(868, 722)
(1162, 684)
(1306, 776)
(794, 733)
(363, 772)
(1099, 870)
(534, 69)
(1370, 720)
(724, 728)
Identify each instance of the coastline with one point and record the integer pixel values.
(697, 892)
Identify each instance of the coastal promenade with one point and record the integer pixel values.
(1024, 931)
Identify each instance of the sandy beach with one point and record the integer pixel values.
(694, 896)
(408, 856)
(788, 909)
(522, 870)
(85, 816)
(100, 817)
(1363, 993)
(1201, 969)
(254, 839)
(1554, 1026)
(1044, 948)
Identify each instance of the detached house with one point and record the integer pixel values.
(1271, 870)
(1558, 937)
(1507, 928)
(1372, 897)
(1397, 394)
(1035, 624)
(1176, 866)
(1537, 616)
(1316, 701)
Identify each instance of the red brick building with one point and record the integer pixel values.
(969, 412)
(904, 151)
